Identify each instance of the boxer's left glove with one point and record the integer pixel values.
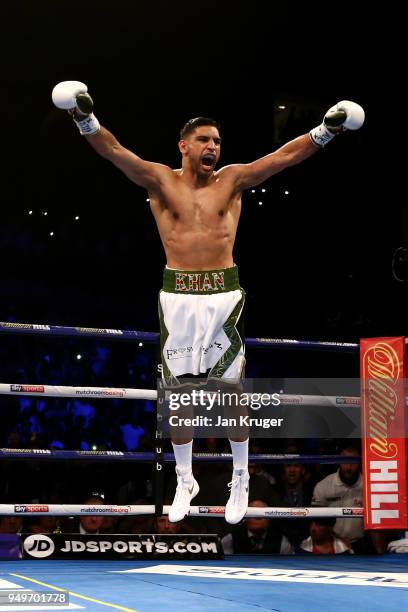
(73, 96)
(344, 115)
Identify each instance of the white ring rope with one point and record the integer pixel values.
(151, 394)
(90, 392)
(195, 511)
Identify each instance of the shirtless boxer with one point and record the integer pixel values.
(197, 209)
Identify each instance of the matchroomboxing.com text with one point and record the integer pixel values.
(207, 400)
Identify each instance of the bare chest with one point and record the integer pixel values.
(209, 203)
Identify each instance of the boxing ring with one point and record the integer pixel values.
(243, 583)
(239, 584)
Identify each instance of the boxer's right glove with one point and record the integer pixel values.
(73, 96)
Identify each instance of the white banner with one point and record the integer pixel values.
(279, 575)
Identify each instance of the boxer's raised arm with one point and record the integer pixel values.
(73, 97)
(343, 116)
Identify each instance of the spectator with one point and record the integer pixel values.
(163, 525)
(294, 490)
(256, 535)
(87, 524)
(92, 523)
(322, 540)
(343, 489)
(295, 493)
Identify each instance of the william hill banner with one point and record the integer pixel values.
(384, 429)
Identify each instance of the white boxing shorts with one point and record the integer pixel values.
(201, 325)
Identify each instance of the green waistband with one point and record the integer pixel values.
(201, 282)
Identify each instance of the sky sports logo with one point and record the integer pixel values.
(348, 401)
(27, 388)
(211, 510)
(30, 508)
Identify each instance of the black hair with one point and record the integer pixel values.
(192, 124)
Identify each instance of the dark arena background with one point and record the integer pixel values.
(322, 250)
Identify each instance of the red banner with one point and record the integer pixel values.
(384, 429)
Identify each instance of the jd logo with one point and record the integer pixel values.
(39, 546)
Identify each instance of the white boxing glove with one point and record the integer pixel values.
(344, 115)
(73, 96)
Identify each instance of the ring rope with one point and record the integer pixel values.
(153, 337)
(195, 511)
(143, 457)
(90, 392)
(151, 394)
